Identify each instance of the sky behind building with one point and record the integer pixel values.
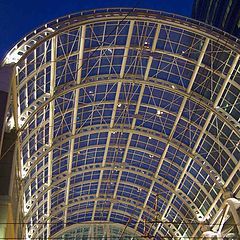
(18, 18)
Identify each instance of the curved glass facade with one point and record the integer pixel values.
(128, 118)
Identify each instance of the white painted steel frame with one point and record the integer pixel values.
(50, 33)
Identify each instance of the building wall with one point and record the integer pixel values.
(9, 191)
(5, 81)
(7, 229)
(223, 14)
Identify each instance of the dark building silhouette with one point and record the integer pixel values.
(223, 14)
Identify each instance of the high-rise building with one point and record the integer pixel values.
(223, 14)
(127, 125)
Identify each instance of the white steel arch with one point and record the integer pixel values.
(152, 94)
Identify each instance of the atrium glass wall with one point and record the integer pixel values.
(127, 119)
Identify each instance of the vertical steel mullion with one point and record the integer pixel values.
(51, 129)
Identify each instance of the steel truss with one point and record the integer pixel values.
(128, 118)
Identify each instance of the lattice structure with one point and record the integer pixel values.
(130, 118)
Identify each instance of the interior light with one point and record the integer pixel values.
(210, 234)
(21, 121)
(159, 112)
(146, 44)
(24, 172)
(11, 123)
(50, 29)
(12, 57)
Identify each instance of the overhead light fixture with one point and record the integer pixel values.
(159, 112)
(13, 57)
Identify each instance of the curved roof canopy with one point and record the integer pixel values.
(128, 124)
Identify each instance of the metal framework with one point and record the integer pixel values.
(128, 127)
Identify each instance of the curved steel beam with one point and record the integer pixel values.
(200, 185)
(140, 131)
(67, 24)
(161, 181)
(123, 200)
(150, 53)
(51, 125)
(196, 98)
(75, 111)
(230, 154)
(223, 87)
(120, 199)
(119, 85)
(177, 119)
(78, 225)
(31, 41)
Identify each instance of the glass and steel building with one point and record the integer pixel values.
(223, 14)
(128, 127)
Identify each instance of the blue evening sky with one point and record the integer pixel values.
(19, 17)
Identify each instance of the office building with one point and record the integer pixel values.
(223, 14)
